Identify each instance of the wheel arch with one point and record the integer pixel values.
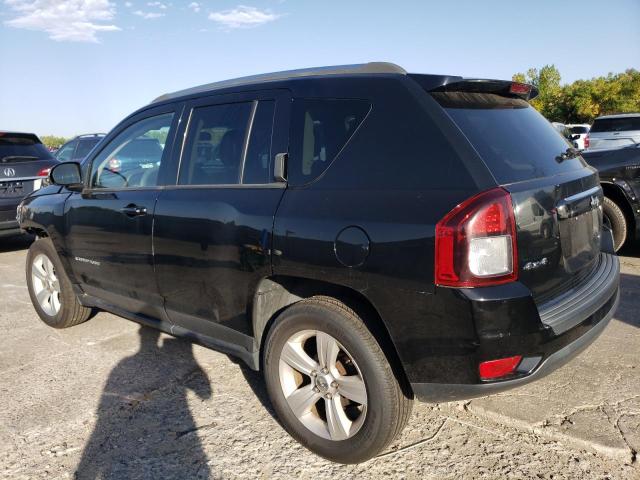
(275, 294)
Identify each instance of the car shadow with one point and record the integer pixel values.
(15, 243)
(144, 426)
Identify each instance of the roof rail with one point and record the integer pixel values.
(363, 68)
(90, 135)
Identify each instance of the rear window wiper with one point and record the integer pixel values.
(568, 154)
(8, 158)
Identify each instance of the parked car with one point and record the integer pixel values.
(611, 131)
(76, 149)
(619, 170)
(24, 164)
(579, 134)
(354, 232)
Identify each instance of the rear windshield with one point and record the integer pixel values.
(22, 148)
(623, 124)
(513, 139)
(579, 130)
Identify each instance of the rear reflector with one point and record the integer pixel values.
(492, 369)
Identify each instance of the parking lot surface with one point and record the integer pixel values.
(110, 399)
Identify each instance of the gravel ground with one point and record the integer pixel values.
(109, 399)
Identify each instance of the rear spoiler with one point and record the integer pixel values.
(505, 88)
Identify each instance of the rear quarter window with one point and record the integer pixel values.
(514, 140)
(320, 129)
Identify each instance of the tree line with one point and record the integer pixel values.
(582, 100)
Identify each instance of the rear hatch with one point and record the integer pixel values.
(24, 161)
(556, 196)
(614, 132)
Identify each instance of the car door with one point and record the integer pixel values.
(109, 224)
(212, 235)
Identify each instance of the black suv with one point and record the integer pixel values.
(619, 170)
(361, 234)
(24, 167)
(76, 149)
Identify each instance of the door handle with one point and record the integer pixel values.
(132, 210)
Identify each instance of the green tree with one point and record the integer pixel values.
(547, 81)
(53, 141)
(583, 100)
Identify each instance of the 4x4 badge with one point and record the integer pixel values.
(9, 172)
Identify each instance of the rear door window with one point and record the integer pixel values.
(215, 143)
(623, 124)
(320, 129)
(513, 139)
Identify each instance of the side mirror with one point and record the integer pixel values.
(68, 174)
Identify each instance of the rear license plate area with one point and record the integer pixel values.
(15, 188)
(580, 239)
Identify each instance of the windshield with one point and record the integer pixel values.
(21, 147)
(513, 139)
(621, 124)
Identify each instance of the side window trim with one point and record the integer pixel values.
(177, 109)
(247, 139)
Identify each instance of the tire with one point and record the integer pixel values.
(60, 307)
(615, 219)
(373, 424)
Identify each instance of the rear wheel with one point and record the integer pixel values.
(331, 384)
(50, 289)
(614, 218)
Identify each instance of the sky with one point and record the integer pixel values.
(80, 66)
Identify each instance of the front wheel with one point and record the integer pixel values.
(330, 382)
(50, 289)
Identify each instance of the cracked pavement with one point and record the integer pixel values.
(108, 399)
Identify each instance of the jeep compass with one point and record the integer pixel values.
(362, 235)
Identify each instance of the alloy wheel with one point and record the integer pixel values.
(323, 385)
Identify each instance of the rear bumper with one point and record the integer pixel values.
(565, 327)
(441, 392)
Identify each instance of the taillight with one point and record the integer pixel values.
(476, 242)
(44, 172)
(586, 141)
